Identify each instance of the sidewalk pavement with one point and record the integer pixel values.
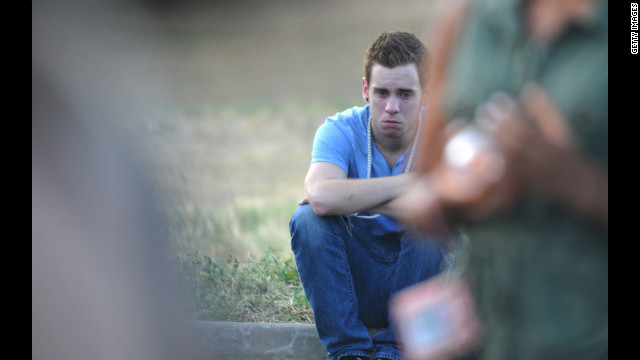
(264, 341)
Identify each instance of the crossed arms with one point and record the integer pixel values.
(330, 192)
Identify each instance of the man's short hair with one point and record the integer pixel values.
(398, 48)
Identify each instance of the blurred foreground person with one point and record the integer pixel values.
(516, 153)
(351, 253)
(101, 283)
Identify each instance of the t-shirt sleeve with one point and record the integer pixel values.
(331, 145)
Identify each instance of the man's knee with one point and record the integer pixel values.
(307, 228)
(302, 215)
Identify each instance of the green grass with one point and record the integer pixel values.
(244, 227)
(231, 180)
(267, 289)
(220, 285)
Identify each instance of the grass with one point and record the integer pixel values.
(231, 176)
(258, 290)
(244, 227)
(228, 196)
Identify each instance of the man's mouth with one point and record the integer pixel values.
(392, 123)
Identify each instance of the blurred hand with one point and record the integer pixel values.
(535, 150)
(540, 146)
(535, 139)
(448, 194)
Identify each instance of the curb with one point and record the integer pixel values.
(264, 341)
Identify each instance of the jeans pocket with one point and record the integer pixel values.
(347, 224)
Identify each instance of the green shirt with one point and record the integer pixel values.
(539, 274)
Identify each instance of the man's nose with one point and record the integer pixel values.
(392, 105)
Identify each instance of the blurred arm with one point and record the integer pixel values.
(540, 155)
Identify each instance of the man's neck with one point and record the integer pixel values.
(392, 148)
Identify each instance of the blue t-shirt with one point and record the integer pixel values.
(342, 141)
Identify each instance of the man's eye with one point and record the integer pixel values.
(381, 92)
(406, 94)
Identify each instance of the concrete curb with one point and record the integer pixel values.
(264, 341)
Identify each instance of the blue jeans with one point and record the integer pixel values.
(349, 278)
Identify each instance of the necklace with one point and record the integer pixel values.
(370, 157)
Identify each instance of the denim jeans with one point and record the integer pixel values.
(349, 278)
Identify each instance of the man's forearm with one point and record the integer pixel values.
(392, 208)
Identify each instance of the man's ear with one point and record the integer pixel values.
(365, 90)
